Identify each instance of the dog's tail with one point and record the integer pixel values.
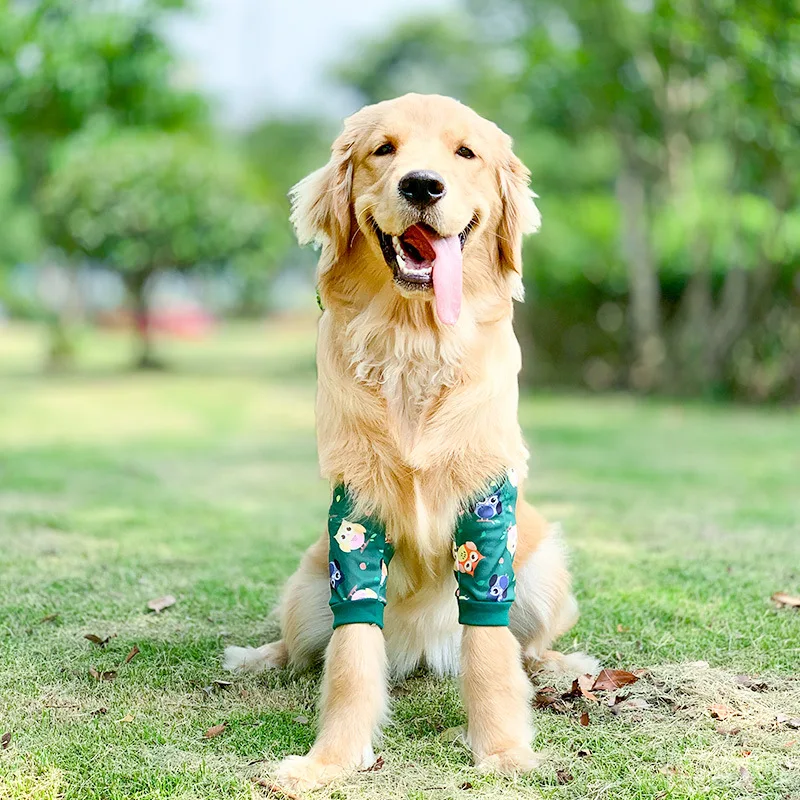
(255, 659)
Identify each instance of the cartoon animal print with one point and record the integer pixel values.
(468, 558)
(490, 507)
(498, 588)
(350, 536)
(363, 594)
(511, 539)
(335, 572)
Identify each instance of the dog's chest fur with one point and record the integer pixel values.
(409, 367)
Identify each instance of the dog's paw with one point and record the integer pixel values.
(513, 761)
(255, 659)
(305, 773)
(569, 664)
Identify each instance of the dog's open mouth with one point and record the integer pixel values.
(421, 259)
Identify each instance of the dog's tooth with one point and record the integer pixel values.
(401, 262)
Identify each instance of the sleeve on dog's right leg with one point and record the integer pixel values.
(358, 563)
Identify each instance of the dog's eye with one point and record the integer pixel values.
(465, 152)
(385, 149)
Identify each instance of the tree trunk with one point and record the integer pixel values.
(692, 323)
(60, 291)
(644, 288)
(137, 288)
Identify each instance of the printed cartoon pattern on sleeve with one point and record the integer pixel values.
(484, 547)
(358, 563)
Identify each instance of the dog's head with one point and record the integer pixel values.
(424, 195)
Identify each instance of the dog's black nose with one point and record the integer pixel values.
(422, 188)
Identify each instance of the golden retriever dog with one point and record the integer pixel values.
(420, 215)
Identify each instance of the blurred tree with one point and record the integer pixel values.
(701, 102)
(19, 241)
(286, 150)
(65, 64)
(19, 235)
(282, 151)
(141, 202)
(69, 65)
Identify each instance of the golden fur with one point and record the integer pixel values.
(416, 416)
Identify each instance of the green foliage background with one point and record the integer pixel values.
(663, 139)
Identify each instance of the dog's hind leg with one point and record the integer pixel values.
(305, 616)
(545, 607)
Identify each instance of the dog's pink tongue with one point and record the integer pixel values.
(447, 278)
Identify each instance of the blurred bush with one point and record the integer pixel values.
(140, 202)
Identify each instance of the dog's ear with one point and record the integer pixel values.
(519, 214)
(321, 204)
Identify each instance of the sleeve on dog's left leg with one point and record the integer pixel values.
(484, 547)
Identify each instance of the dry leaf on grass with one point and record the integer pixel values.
(747, 779)
(610, 679)
(126, 718)
(754, 684)
(223, 684)
(132, 653)
(49, 618)
(108, 675)
(721, 711)
(215, 730)
(465, 786)
(585, 719)
(5, 740)
(160, 603)
(616, 699)
(584, 752)
(301, 719)
(563, 776)
(783, 599)
(94, 639)
(548, 699)
(377, 766)
(581, 687)
(783, 719)
(585, 683)
(274, 790)
(631, 704)
(725, 731)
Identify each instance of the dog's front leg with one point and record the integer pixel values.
(354, 703)
(497, 696)
(497, 692)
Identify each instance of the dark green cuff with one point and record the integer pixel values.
(482, 613)
(352, 611)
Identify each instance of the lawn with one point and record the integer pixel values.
(201, 483)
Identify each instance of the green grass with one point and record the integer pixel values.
(116, 488)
